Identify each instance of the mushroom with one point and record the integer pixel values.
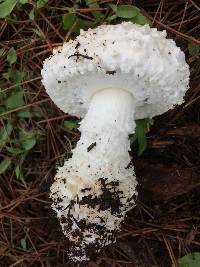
(110, 76)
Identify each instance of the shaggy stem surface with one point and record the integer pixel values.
(94, 189)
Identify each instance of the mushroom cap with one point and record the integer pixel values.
(127, 56)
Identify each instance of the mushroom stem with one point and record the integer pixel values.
(94, 189)
(104, 139)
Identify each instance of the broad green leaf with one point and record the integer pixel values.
(36, 114)
(15, 100)
(5, 134)
(70, 125)
(93, 4)
(6, 7)
(141, 19)
(68, 20)
(31, 15)
(27, 140)
(84, 24)
(190, 260)
(28, 143)
(15, 75)
(111, 18)
(194, 49)
(14, 150)
(23, 1)
(41, 3)
(27, 113)
(24, 113)
(12, 56)
(127, 11)
(23, 243)
(5, 163)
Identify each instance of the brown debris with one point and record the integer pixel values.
(90, 147)
(192, 131)
(157, 231)
(162, 182)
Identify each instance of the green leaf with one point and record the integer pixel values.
(41, 3)
(23, 243)
(111, 18)
(141, 19)
(12, 56)
(21, 178)
(2, 94)
(83, 24)
(113, 7)
(2, 110)
(27, 140)
(70, 125)
(5, 75)
(31, 15)
(28, 143)
(190, 260)
(23, 1)
(93, 4)
(14, 150)
(142, 127)
(5, 118)
(4, 165)
(24, 113)
(194, 49)
(17, 171)
(141, 136)
(68, 20)
(15, 100)
(132, 138)
(36, 114)
(27, 113)
(6, 7)
(5, 134)
(15, 75)
(127, 11)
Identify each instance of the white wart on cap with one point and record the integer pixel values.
(111, 76)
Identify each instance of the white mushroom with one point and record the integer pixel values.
(111, 76)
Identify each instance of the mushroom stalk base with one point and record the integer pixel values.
(95, 189)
